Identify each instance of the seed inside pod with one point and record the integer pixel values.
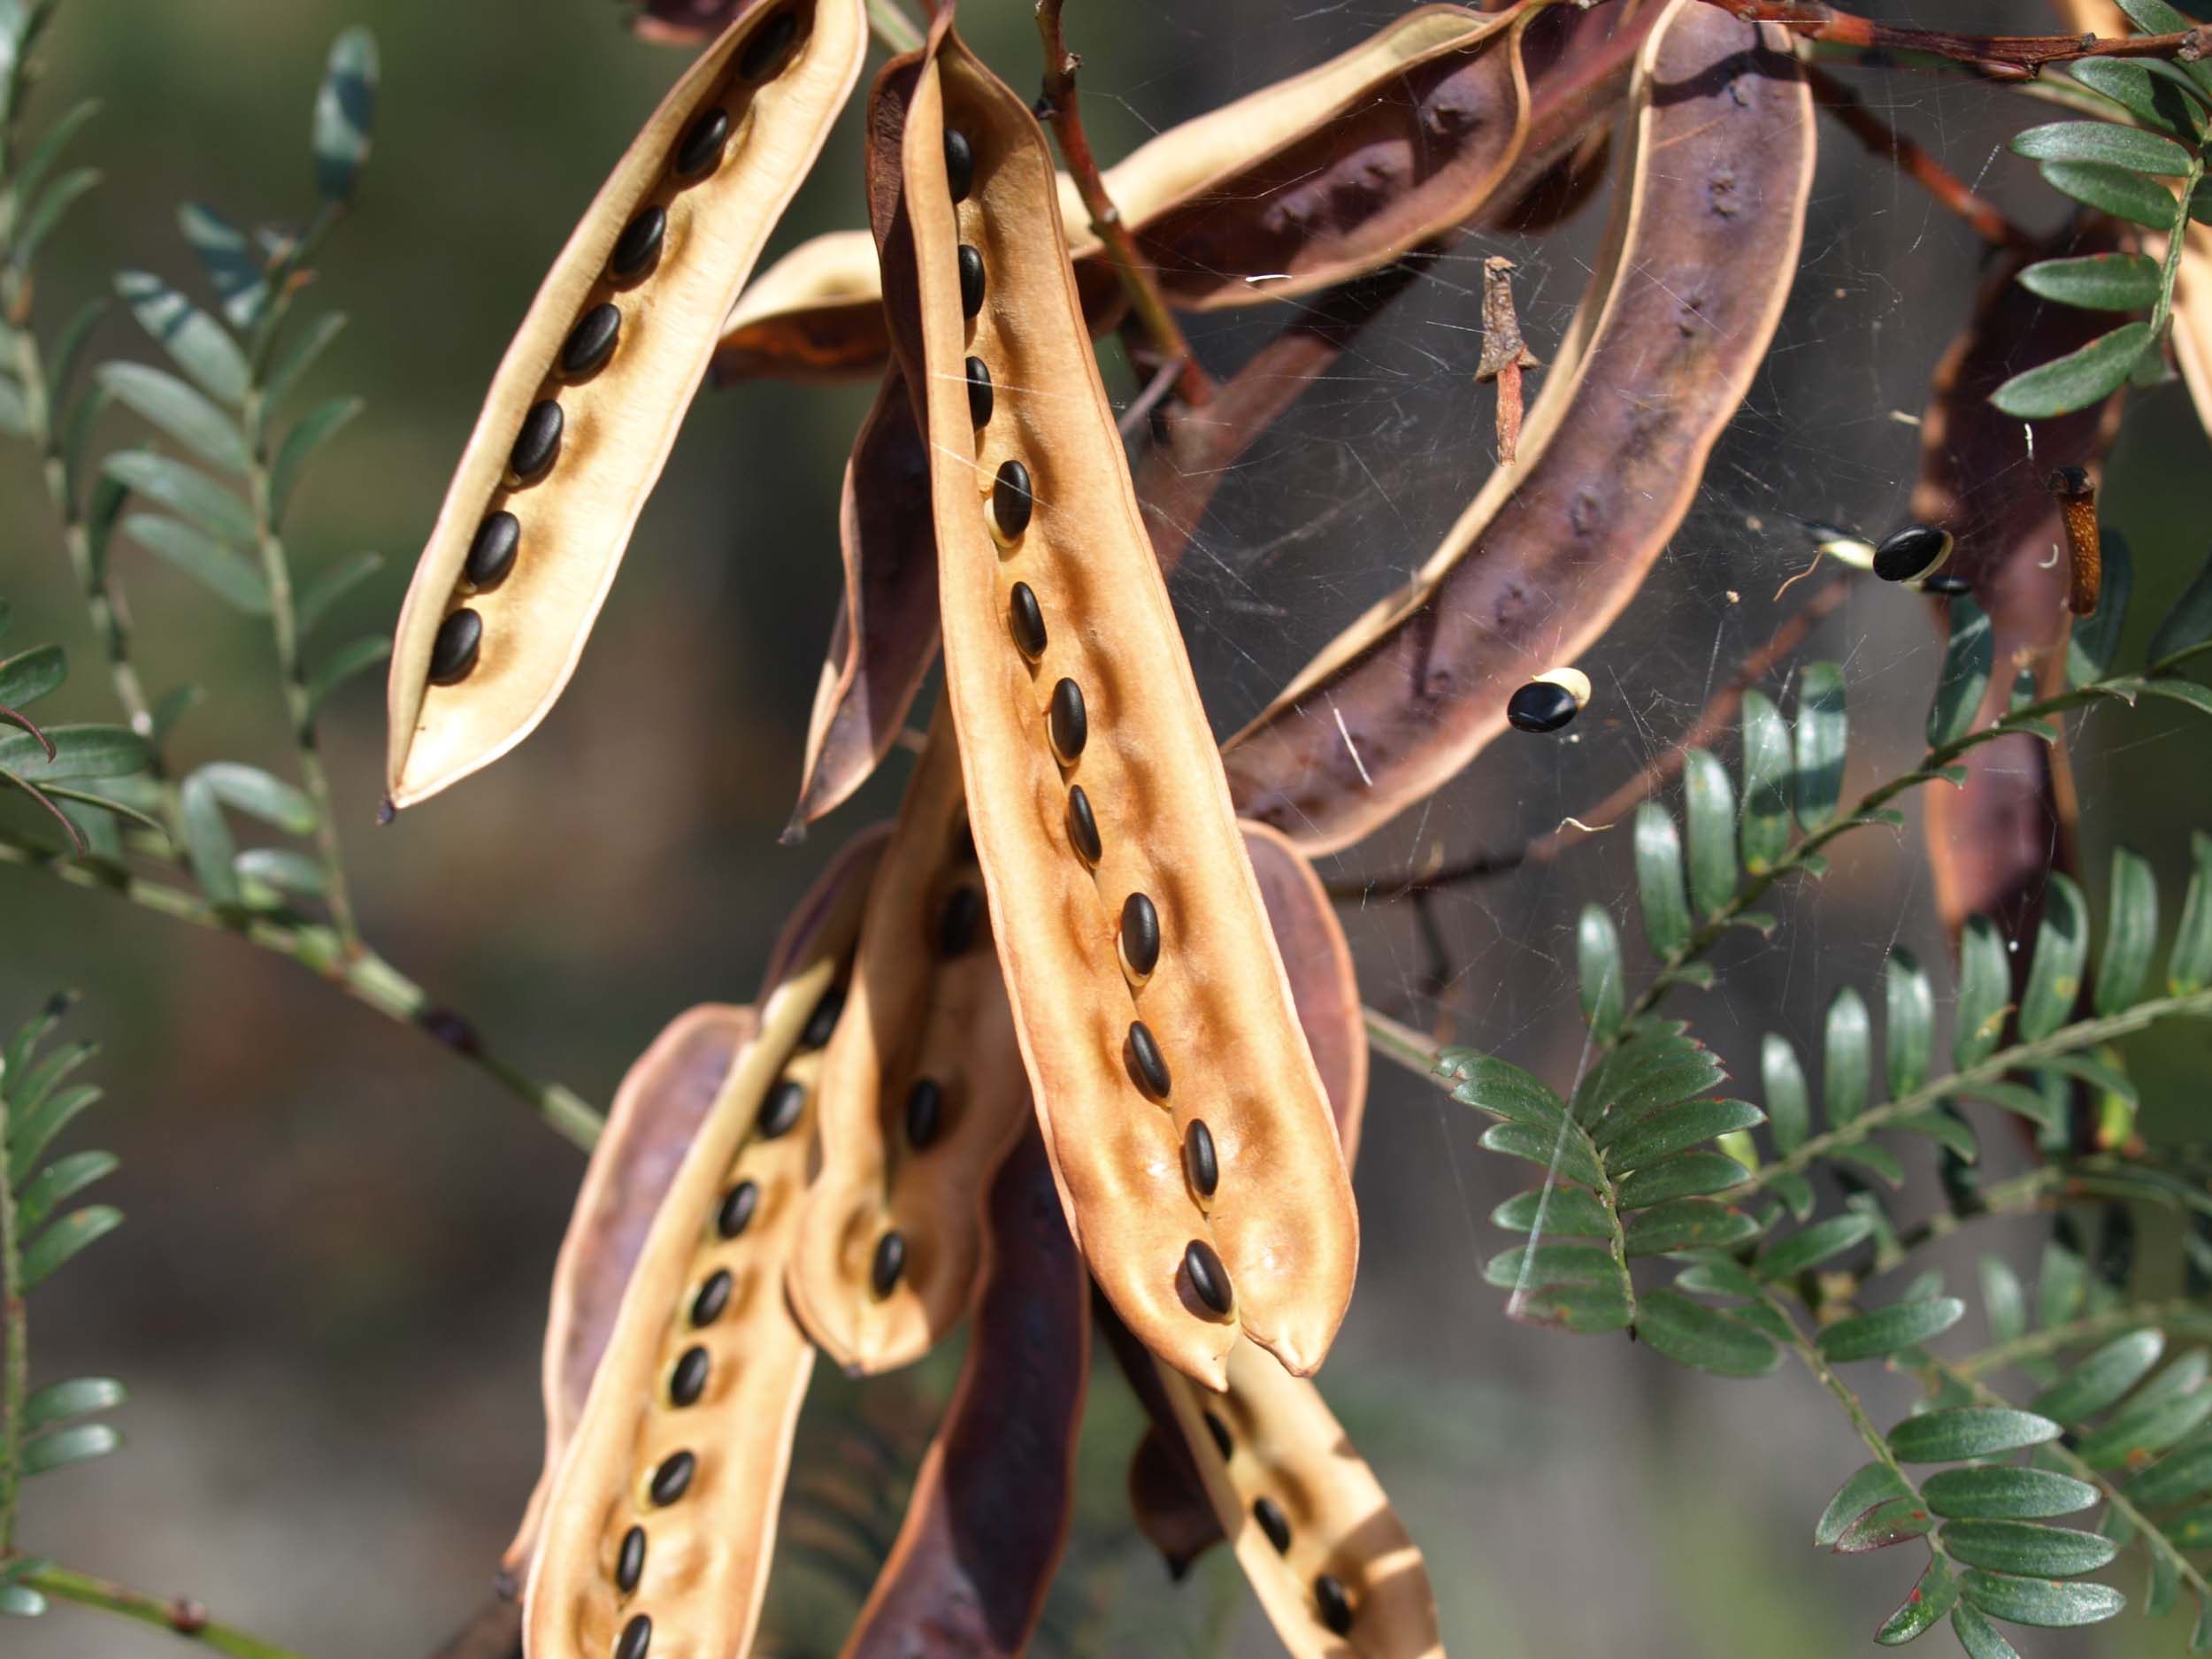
(959, 164)
(1273, 1522)
(1012, 503)
(538, 442)
(1219, 1430)
(1067, 725)
(591, 342)
(1947, 586)
(1334, 1604)
(672, 1478)
(453, 653)
(1208, 1279)
(1029, 621)
(688, 1380)
(1082, 827)
(780, 1110)
(492, 552)
(629, 1560)
(1139, 937)
(821, 1024)
(924, 1111)
(981, 395)
(1201, 1169)
(970, 280)
(1147, 1061)
(1550, 700)
(736, 1214)
(889, 1263)
(713, 1297)
(636, 1638)
(638, 249)
(701, 150)
(957, 923)
(1918, 549)
(765, 51)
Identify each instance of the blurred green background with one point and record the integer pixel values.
(327, 1301)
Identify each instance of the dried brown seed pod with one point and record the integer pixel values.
(1699, 260)
(668, 242)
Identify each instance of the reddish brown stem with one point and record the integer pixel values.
(2000, 56)
(1881, 139)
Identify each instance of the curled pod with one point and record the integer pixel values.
(922, 1093)
(573, 435)
(1684, 301)
(664, 1506)
(1216, 1007)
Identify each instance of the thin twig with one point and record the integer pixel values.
(2180, 1313)
(180, 1616)
(1999, 56)
(1987, 220)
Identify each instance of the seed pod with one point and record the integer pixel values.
(614, 428)
(1699, 260)
(1218, 1002)
(702, 1482)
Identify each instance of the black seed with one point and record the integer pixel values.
(636, 1637)
(701, 149)
(629, 1562)
(970, 280)
(1011, 501)
(963, 844)
(1273, 1522)
(492, 554)
(1140, 935)
(924, 1111)
(1029, 621)
(1916, 550)
(638, 249)
(1335, 1606)
(1069, 727)
(1219, 1430)
(453, 653)
(1948, 587)
(713, 1296)
(538, 442)
(957, 922)
(980, 393)
(821, 1024)
(1082, 827)
(1146, 1060)
(736, 1214)
(591, 342)
(672, 1478)
(959, 164)
(688, 1380)
(767, 47)
(1541, 706)
(780, 1110)
(1200, 1167)
(890, 1262)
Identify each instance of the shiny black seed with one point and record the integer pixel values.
(980, 393)
(591, 342)
(1273, 1522)
(1948, 587)
(538, 442)
(701, 149)
(1029, 621)
(1201, 1169)
(1145, 1058)
(1334, 1605)
(957, 922)
(1082, 827)
(688, 1380)
(768, 45)
(629, 1560)
(736, 1214)
(1219, 1430)
(1208, 1279)
(492, 554)
(638, 249)
(1069, 727)
(1011, 501)
(822, 1022)
(890, 1262)
(1541, 706)
(636, 1637)
(780, 1110)
(1140, 935)
(1913, 551)
(672, 1478)
(713, 1297)
(925, 1112)
(970, 280)
(453, 653)
(959, 164)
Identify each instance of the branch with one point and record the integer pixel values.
(180, 1616)
(1999, 56)
(2180, 1314)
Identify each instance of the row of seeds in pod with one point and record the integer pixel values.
(779, 1114)
(1067, 728)
(1330, 1599)
(590, 347)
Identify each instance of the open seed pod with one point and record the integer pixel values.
(657, 1534)
(1146, 989)
(585, 403)
(1699, 259)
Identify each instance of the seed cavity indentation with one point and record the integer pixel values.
(538, 442)
(592, 342)
(1067, 722)
(453, 652)
(672, 1478)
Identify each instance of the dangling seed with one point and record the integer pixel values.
(1550, 700)
(1200, 1167)
(970, 280)
(1012, 503)
(736, 1214)
(1151, 1064)
(1067, 725)
(713, 1297)
(492, 552)
(959, 164)
(890, 1262)
(1029, 621)
(957, 923)
(1219, 1430)
(688, 1380)
(629, 1562)
(1918, 549)
(821, 1024)
(780, 1110)
(538, 442)
(638, 249)
(980, 395)
(591, 342)
(924, 1111)
(453, 652)
(672, 1478)
(1335, 1606)
(765, 51)
(636, 1637)
(1082, 827)
(701, 149)
(1139, 937)
(1273, 1522)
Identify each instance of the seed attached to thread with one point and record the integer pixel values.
(925, 1112)
(492, 552)
(1200, 1168)
(821, 1024)
(1219, 1430)
(1028, 619)
(591, 342)
(1139, 937)
(959, 164)
(1012, 503)
(890, 1262)
(688, 1380)
(1151, 1064)
(629, 1560)
(701, 149)
(453, 652)
(672, 1478)
(737, 1205)
(1067, 725)
(765, 51)
(957, 922)
(1334, 1604)
(1273, 1522)
(970, 280)
(638, 249)
(1550, 700)
(980, 392)
(538, 442)
(1917, 550)
(713, 1297)
(1083, 828)
(636, 1638)
(780, 1110)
